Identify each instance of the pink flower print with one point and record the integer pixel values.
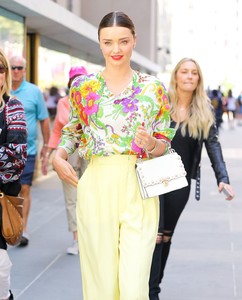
(136, 148)
(92, 96)
(91, 107)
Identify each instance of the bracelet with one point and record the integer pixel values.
(152, 150)
(168, 145)
(45, 145)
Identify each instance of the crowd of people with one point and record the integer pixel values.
(226, 104)
(106, 121)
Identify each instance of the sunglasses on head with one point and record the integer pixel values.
(2, 69)
(19, 68)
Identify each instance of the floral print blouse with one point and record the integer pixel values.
(104, 124)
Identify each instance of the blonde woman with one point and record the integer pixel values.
(192, 116)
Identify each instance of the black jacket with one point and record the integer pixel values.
(215, 155)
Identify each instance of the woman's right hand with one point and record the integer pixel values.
(64, 170)
(227, 189)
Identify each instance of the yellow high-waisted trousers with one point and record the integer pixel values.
(116, 230)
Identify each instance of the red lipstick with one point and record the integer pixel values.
(117, 57)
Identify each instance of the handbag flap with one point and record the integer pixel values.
(161, 169)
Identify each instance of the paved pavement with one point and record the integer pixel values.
(206, 256)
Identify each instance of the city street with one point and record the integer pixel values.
(206, 257)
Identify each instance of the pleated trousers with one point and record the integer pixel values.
(116, 230)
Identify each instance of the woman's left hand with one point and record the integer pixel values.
(227, 190)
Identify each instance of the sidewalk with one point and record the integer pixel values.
(206, 256)
(43, 270)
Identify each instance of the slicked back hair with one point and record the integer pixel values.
(116, 18)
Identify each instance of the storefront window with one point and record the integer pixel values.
(54, 68)
(11, 33)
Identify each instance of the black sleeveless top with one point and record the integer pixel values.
(185, 146)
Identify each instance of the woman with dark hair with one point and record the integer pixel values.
(115, 114)
(230, 101)
(52, 101)
(13, 154)
(193, 118)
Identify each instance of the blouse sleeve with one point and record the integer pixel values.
(72, 132)
(13, 152)
(162, 129)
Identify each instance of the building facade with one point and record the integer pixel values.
(53, 35)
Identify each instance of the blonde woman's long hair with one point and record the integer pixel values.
(5, 89)
(200, 117)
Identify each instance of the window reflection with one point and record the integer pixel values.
(11, 33)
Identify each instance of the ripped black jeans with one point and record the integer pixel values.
(171, 207)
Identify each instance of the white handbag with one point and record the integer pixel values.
(161, 174)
